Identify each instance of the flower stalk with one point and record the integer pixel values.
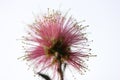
(60, 71)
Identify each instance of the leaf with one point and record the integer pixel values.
(46, 77)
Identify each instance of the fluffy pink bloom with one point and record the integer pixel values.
(55, 37)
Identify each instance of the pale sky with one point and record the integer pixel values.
(103, 16)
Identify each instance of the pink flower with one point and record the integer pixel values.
(53, 38)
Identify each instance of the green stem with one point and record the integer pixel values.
(60, 70)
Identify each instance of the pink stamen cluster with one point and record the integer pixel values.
(55, 38)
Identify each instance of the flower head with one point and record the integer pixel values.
(56, 40)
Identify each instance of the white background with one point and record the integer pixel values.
(103, 16)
